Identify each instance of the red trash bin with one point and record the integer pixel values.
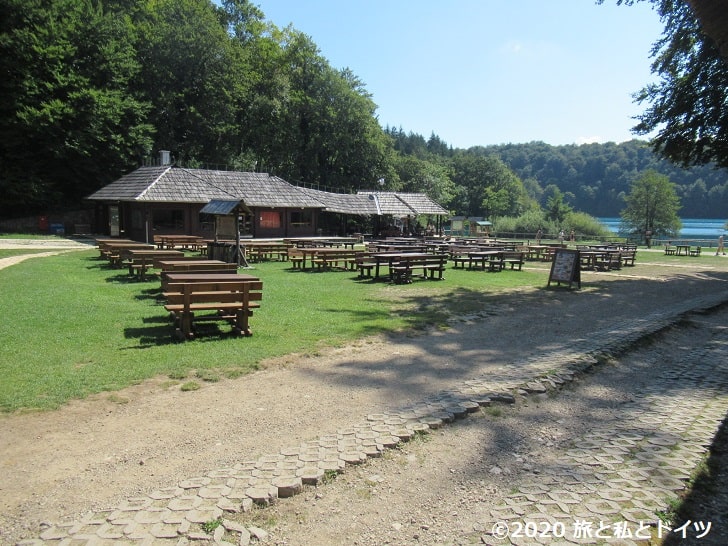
(43, 223)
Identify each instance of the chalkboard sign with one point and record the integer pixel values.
(566, 267)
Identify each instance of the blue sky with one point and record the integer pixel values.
(481, 72)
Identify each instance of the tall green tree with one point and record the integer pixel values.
(426, 176)
(652, 206)
(490, 188)
(69, 120)
(193, 73)
(557, 209)
(686, 106)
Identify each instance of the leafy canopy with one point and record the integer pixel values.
(652, 206)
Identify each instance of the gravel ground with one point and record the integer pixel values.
(94, 453)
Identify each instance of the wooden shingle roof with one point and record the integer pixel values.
(179, 185)
(406, 204)
(344, 203)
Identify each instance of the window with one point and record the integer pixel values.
(270, 219)
(169, 219)
(300, 218)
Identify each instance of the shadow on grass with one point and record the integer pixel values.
(538, 320)
(160, 331)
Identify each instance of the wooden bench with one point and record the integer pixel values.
(139, 267)
(670, 250)
(460, 259)
(548, 254)
(295, 256)
(512, 258)
(187, 242)
(402, 271)
(261, 252)
(695, 251)
(364, 264)
(628, 257)
(608, 260)
(342, 260)
(231, 302)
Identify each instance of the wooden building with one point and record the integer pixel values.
(166, 200)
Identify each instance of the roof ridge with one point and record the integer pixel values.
(150, 186)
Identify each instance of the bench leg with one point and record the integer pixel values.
(242, 326)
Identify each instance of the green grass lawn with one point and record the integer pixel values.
(71, 326)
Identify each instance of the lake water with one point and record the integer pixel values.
(692, 228)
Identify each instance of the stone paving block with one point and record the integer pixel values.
(231, 506)
(184, 503)
(213, 491)
(148, 518)
(194, 483)
(203, 515)
(288, 486)
(310, 475)
(222, 473)
(603, 507)
(56, 532)
(262, 495)
(166, 493)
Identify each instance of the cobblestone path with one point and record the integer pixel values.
(609, 487)
(610, 481)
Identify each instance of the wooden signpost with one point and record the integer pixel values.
(566, 267)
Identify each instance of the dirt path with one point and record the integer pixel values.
(93, 454)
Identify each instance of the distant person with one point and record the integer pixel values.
(572, 236)
(648, 238)
(561, 237)
(539, 234)
(721, 248)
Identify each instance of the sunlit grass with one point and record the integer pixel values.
(72, 327)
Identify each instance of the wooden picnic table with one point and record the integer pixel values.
(139, 261)
(200, 266)
(682, 249)
(113, 251)
(390, 258)
(193, 242)
(301, 242)
(536, 252)
(312, 252)
(172, 279)
(483, 257)
(169, 266)
(230, 298)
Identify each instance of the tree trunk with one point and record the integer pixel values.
(713, 17)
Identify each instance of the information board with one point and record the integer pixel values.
(566, 267)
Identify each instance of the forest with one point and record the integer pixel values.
(94, 88)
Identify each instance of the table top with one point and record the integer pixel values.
(128, 245)
(324, 250)
(154, 252)
(485, 252)
(210, 277)
(400, 254)
(200, 261)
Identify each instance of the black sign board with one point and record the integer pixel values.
(566, 267)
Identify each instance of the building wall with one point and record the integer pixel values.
(141, 221)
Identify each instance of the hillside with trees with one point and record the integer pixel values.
(93, 89)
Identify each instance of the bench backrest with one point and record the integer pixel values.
(214, 292)
(203, 267)
(512, 255)
(433, 259)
